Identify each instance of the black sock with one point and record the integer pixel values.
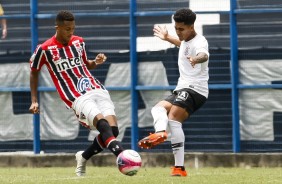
(108, 137)
(93, 149)
(115, 147)
(115, 130)
(105, 130)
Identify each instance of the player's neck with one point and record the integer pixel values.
(60, 40)
(191, 36)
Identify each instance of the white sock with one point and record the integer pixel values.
(177, 142)
(160, 118)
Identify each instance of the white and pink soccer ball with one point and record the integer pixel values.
(129, 162)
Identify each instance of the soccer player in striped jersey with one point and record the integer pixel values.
(65, 57)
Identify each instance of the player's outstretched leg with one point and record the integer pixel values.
(152, 140)
(159, 114)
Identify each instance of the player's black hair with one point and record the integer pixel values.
(64, 15)
(185, 15)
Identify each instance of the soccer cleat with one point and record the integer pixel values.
(152, 140)
(177, 171)
(80, 164)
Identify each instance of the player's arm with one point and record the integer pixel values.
(199, 58)
(100, 59)
(162, 33)
(34, 107)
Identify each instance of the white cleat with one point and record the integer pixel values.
(80, 164)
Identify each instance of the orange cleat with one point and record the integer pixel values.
(177, 171)
(152, 140)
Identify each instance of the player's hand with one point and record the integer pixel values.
(34, 108)
(192, 61)
(160, 32)
(100, 58)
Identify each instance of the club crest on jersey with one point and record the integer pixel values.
(182, 95)
(64, 64)
(187, 51)
(83, 84)
(78, 47)
(55, 54)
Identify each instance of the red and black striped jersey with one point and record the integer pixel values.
(67, 66)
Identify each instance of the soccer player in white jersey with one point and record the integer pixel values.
(65, 57)
(191, 91)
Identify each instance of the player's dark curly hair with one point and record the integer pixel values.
(64, 15)
(185, 15)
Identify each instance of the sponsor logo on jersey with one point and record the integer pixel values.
(65, 64)
(52, 47)
(75, 42)
(83, 84)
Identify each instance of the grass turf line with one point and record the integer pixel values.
(152, 175)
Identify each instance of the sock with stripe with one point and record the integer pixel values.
(177, 142)
(98, 146)
(108, 137)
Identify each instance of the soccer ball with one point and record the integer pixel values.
(129, 162)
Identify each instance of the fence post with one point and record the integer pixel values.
(234, 77)
(34, 41)
(134, 76)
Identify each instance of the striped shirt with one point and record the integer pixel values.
(67, 66)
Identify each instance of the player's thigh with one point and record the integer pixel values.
(167, 105)
(87, 111)
(106, 105)
(178, 113)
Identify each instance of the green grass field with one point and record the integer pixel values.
(105, 175)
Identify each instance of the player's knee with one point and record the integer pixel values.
(115, 130)
(103, 126)
(157, 109)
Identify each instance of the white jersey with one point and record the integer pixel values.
(193, 78)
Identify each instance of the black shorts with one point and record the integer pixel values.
(187, 99)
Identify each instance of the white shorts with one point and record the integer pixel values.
(94, 102)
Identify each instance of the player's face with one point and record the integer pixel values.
(184, 32)
(65, 31)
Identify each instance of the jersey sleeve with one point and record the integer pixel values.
(202, 46)
(38, 59)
